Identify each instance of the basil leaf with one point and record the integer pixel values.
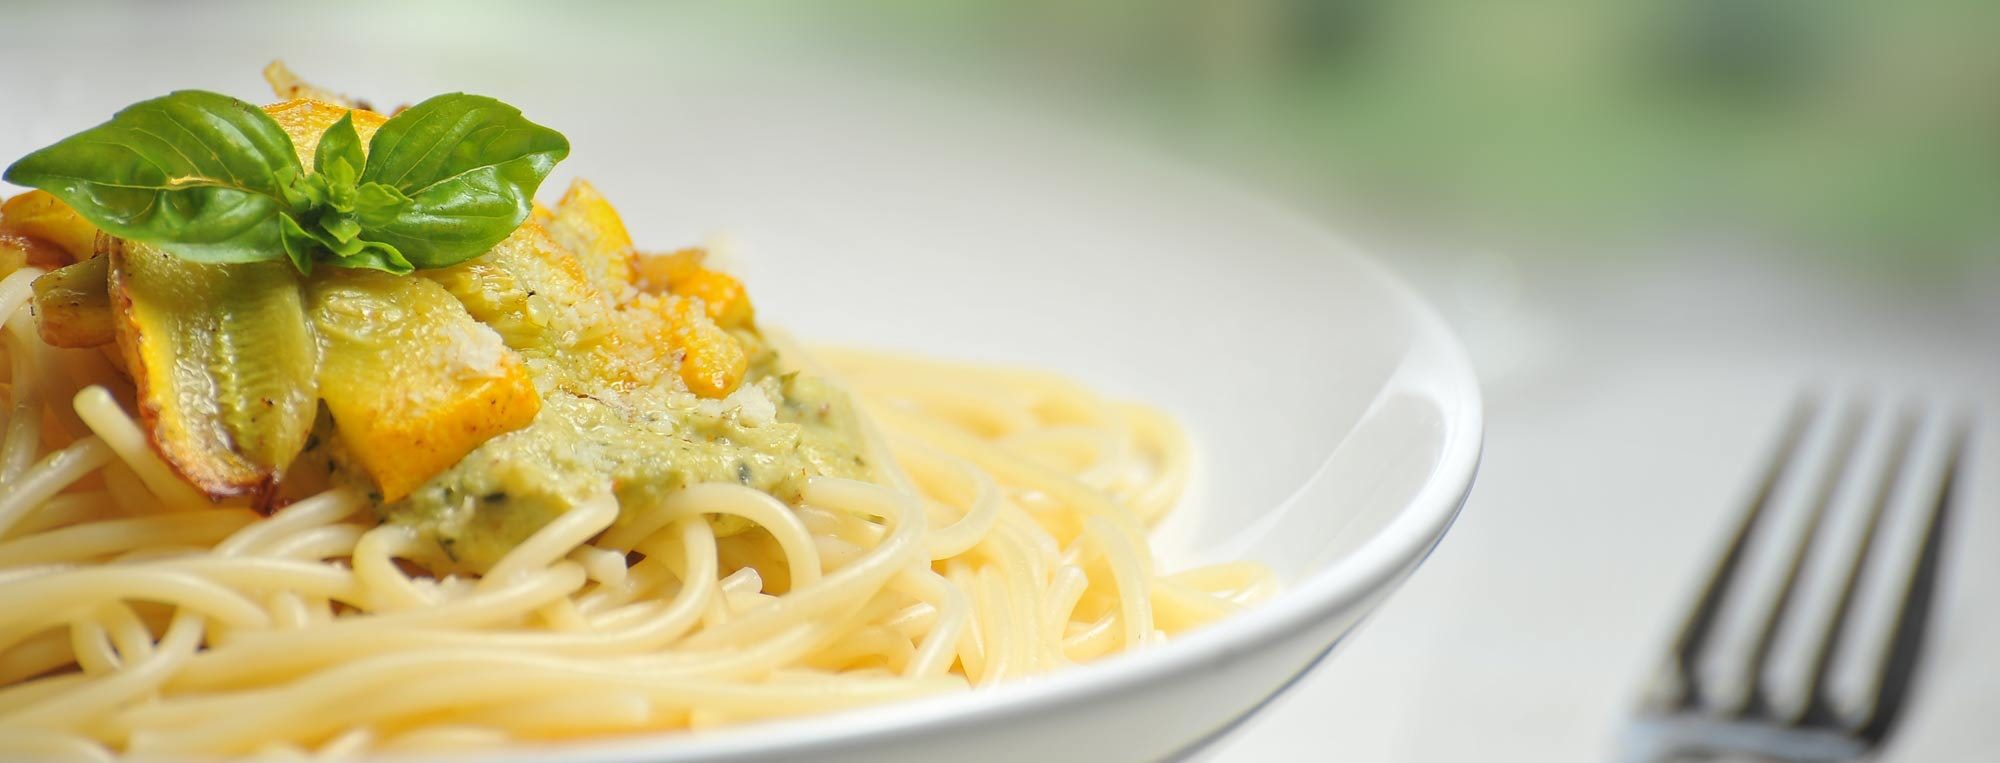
(340, 145)
(304, 193)
(197, 174)
(378, 198)
(342, 226)
(298, 245)
(209, 178)
(469, 166)
(374, 255)
(305, 245)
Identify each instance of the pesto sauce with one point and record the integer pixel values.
(641, 445)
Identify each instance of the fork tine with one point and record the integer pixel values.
(1676, 685)
(1729, 666)
(1803, 645)
(1800, 649)
(1877, 625)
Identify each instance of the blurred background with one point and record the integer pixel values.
(1812, 180)
(1826, 127)
(1654, 222)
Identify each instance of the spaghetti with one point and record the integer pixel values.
(1001, 534)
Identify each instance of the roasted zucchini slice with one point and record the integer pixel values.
(224, 363)
(73, 304)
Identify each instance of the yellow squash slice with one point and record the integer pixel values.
(305, 119)
(413, 382)
(73, 305)
(224, 364)
(586, 224)
(38, 216)
(536, 295)
(288, 85)
(14, 252)
(712, 363)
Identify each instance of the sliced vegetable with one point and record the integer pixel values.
(288, 85)
(589, 227)
(224, 364)
(724, 297)
(658, 272)
(682, 273)
(712, 362)
(73, 305)
(412, 380)
(40, 216)
(537, 296)
(306, 119)
(15, 252)
(532, 292)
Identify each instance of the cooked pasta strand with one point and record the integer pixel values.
(1001, 534)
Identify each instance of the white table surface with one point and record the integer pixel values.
(1630, 402)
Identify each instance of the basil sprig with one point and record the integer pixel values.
(209, 178)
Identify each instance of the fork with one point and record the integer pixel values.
(1803, 643)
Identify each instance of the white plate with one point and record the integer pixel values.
(1338, 420)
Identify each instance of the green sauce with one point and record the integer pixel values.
(642, 444)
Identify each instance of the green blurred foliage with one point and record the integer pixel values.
(1838, 125)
